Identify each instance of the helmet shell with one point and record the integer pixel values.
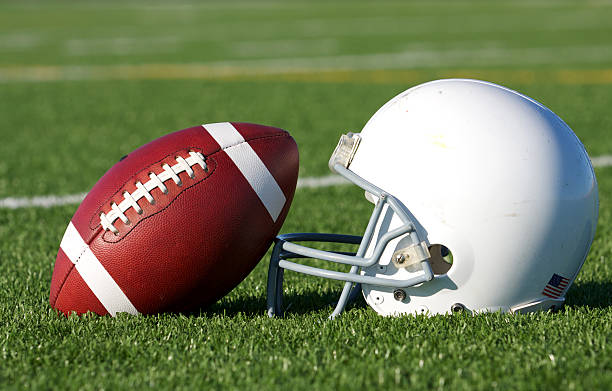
(491, 174)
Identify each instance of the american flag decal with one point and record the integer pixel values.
(555, 287)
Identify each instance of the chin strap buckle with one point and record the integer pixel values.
(345, 150)
(410, 256)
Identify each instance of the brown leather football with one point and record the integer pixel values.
(178, 223)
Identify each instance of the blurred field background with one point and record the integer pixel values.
(83, 83)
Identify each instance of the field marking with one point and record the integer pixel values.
(52, 73)
(41, 201)
(370, 67)
(602, 161)
(121, 46)
(303, 183)
(322, 181)
(19, 41)
(55, 200)
(283, 47)
(276, 5)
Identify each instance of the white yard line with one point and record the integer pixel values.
(308, 182)
(40, 201)
(50, 201)
(417, 57)
(602, 161)
(461, 58)
(322, 181)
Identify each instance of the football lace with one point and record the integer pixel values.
(130, 200)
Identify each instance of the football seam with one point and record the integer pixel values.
(154, 213)
(97, 214)
(96, 226)
(72, 267)
(175, 198)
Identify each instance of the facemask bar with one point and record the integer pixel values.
(284, 249)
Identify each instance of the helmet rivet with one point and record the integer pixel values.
(400, 258)
(457, 307)
(399, 294)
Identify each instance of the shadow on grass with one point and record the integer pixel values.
(595, 294)
(588, 294)
(300, 304)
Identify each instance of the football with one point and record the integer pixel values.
(177, 223)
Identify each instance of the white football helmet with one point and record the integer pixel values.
(464, 169)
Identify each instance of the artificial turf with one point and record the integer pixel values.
(58, 136)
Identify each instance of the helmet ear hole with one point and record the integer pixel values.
(441, 259)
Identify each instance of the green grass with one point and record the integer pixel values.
(178, 32)
(233, 345)
(58, 137)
